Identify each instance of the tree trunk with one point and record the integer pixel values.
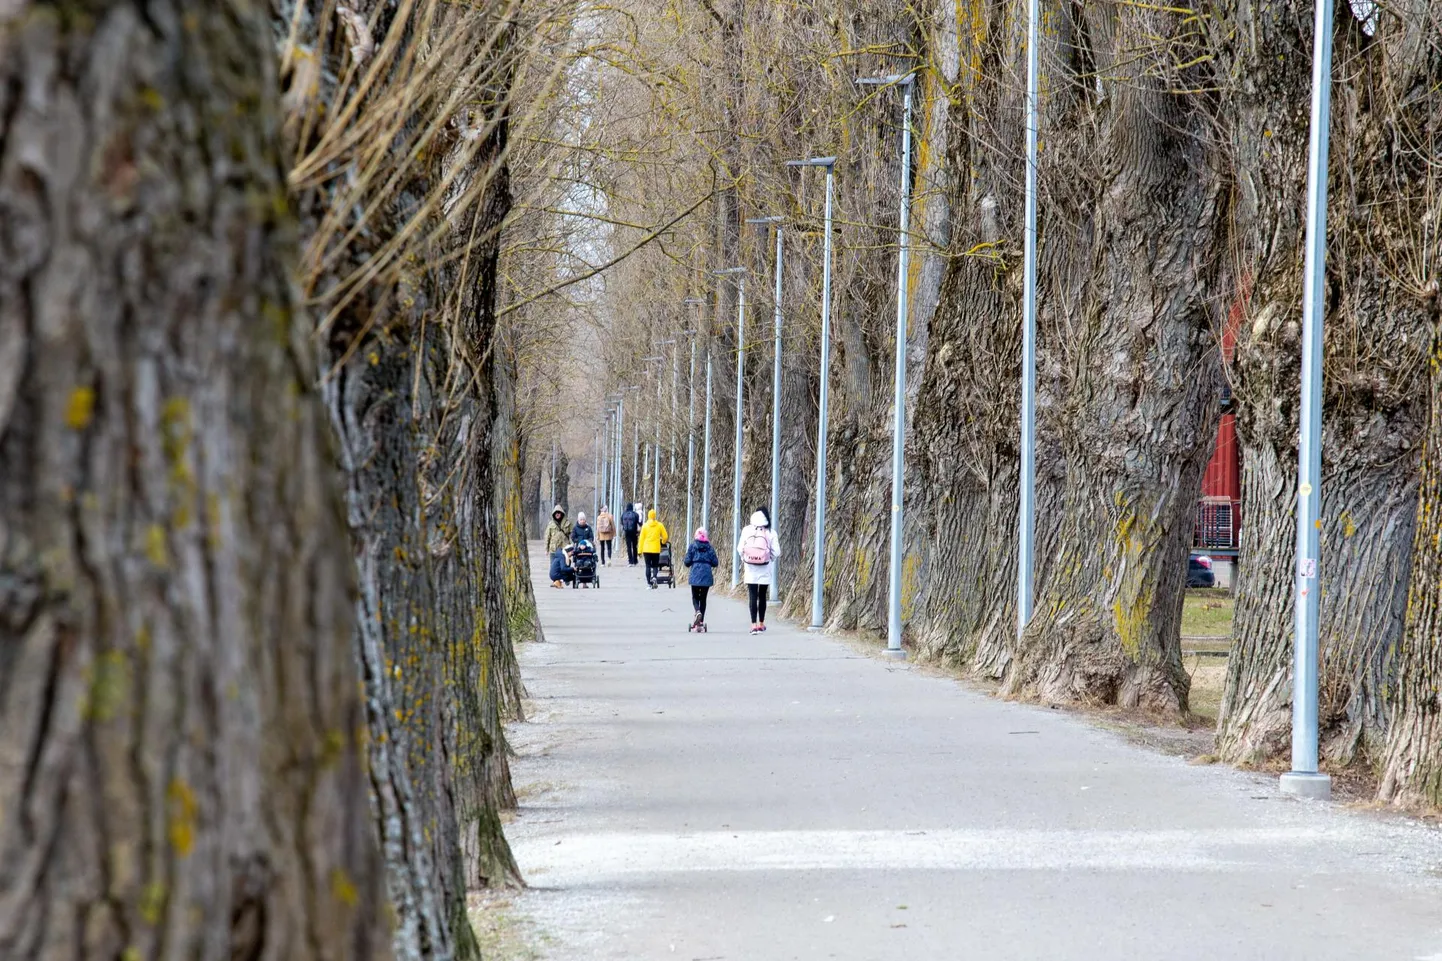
(511, 509)
(183, 770)
(1376, 336)
(965, 436)
(1412, 764)
(1130, 366)
(562, 493)
(531, 490)
(414, 411)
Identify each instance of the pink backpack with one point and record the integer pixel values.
(756, 547)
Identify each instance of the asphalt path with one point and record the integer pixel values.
(730, 797)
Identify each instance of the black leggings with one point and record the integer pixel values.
(653, 561)
(756, 594)
(631, 538)
(605, 550)
(698, 599)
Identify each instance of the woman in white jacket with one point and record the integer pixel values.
(759, 548)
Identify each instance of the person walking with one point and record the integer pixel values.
(558, 532)
(759, 548)
(631, 528)
(605, 532)
(702, 561)
(653, 538)
(582, 531)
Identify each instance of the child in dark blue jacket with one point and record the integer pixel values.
(702, 560)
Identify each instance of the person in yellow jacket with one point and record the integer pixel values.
(653, 538)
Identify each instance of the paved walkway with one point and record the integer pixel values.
(724, 796)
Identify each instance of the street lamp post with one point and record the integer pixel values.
(675, 390)
(620, 435)
(740, 274)
(819, 571)
(706, 448)
(775, 396)
(611, 460)
(898, 432)
(691, 423)
(1026, 522)
(674, 377)
(1304, 780)
(655, 453)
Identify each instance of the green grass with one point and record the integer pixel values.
(1207, 613)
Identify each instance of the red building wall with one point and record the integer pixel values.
(1224, 471)
(1218, 523)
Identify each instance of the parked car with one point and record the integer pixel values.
(1199, 572)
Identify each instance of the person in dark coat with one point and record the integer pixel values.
(561, 570)
(702, 561)
(631, 527)
(583, 531)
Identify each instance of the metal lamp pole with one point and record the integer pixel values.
(740, 273)
(655, 452)
(620, 435)
(706, 448)
(898, 433)
(775, 397)
(1026, 525)
(674, 375)
(675, 390)
(691, 426)
(611, 461)
(1304, 779)
(818, 574)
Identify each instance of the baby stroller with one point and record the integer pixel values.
(583, 562)
(665, 571)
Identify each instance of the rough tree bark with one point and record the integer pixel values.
(1378, 328)
(531, 489)
(407, 374)
(510, 507)
(965, 435)
(182, 772)
(562, 493)
(863, 337)
(1412, 765)
(1131, 218)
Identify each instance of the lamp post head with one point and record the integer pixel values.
(813, 162)
(764, 220)
(694, 300)
(889, 80)
(729, 270)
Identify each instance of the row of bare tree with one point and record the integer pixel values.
(1173, 178)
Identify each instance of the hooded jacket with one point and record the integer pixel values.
(653, 534)
(558, 532)
(630, 520)
(702, 560)
(759, 573)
